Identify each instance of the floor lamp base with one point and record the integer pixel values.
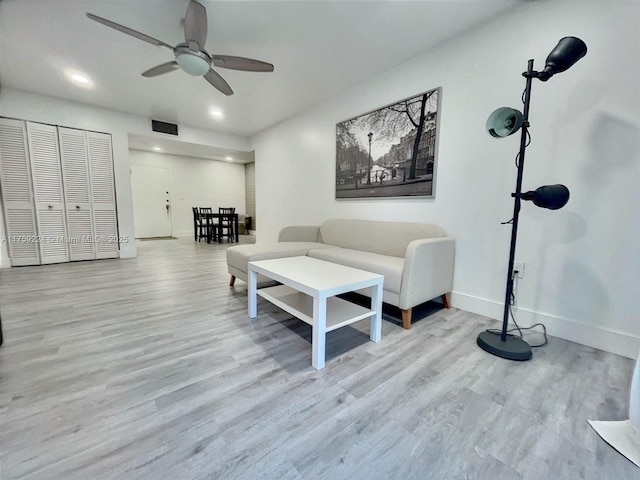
(513, 348)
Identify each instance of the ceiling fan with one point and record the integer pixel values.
(190, 55)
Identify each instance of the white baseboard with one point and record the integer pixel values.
(575, 331)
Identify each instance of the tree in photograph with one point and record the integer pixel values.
(397, 120)
(349, 151)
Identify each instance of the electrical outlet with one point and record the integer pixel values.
(518, 269)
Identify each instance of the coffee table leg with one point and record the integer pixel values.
(319, 332)
(375, 328)
(253, 293)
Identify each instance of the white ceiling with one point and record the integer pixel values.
(319, 49)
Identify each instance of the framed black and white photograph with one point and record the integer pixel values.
(391, 151)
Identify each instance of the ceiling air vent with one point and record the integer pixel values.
(164, 127)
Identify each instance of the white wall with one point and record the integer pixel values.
(40, 108)
(582, 266)
(196, 182)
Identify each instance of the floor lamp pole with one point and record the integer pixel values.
(509, 346)
(517, 201)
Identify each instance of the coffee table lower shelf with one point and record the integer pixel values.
(339, 312)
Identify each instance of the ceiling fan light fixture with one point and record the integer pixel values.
(192, 63)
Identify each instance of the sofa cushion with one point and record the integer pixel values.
(385, 238)
(239, 255)
(390, 267)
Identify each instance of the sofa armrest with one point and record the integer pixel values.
(299, 233)
(428, 271)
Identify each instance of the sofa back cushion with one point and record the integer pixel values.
(385, 238)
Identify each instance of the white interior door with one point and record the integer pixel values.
(151, 201)
(75, 174)
(103, 195)
(44, 155)
(15, 181)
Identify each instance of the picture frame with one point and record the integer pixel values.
(390, 152)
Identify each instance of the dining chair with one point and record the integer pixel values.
(206, 224)
(196, 222)
(227, 225)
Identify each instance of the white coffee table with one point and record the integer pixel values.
(308, 292)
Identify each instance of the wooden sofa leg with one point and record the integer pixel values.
(445, 300)
(406, 319)
(232, 280)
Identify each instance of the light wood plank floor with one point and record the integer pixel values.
(150, 369)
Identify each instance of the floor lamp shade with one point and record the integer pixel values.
(567, 52)
(503, 122)
(552, 197)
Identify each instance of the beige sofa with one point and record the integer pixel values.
(416, 259)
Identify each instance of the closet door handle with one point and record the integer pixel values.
(78, 207)
(49, 206)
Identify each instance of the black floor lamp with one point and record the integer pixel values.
(502, 123)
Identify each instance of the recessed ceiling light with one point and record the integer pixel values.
(79, 79)
(76, 77)
(157, 149)
(215, 113)
(228, 157)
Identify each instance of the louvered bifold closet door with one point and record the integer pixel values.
(47, 186)
(77, 195)
(17, 194)
(103, 194)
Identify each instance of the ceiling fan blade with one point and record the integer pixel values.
(195, 24)
(217, 81)
(241, 63)
(161, 69)
(129, 31)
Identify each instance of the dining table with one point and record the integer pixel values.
(209, 218)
